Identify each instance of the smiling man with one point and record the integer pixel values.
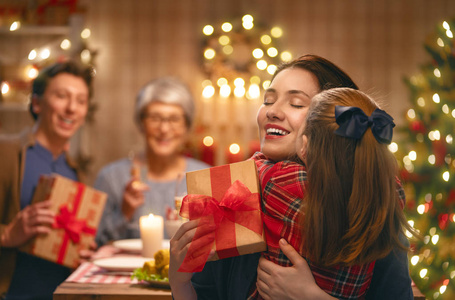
(59, 105)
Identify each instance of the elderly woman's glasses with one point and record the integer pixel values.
(156, 120)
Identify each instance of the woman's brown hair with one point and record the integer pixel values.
(352, 212)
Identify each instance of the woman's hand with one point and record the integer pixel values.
(32, 220)
(180, 282)
(87, 254)
(295, 282)
(133, 197)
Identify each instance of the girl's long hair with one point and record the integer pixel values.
(352, 212)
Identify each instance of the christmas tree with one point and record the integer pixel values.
(427, 156)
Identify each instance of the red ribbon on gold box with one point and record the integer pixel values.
(226, 200)
(78, 210)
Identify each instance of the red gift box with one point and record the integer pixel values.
(227, 199)
(78, 209)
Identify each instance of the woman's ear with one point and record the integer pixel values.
(303, 150)
(35, 102)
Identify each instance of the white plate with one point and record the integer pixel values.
(134, 245)
(121, 263)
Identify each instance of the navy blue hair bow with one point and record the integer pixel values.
(354, 122)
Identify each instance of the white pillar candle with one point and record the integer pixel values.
(151, 234)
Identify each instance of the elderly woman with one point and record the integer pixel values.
(147, 184)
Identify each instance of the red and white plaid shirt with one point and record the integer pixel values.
(283, 190)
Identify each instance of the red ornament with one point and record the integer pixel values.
(417, 127)
(443, 221)
(440, 152)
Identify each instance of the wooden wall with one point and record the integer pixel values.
(376, 42)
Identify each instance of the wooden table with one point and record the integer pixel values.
(91, 282)
(122, 291)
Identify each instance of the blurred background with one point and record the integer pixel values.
(399, 51)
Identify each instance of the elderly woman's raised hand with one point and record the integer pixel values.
(32, 220)
(133, 197)
(295, 282)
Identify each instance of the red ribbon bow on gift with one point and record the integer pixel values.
(72, 226)
(217, 223)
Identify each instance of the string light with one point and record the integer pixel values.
(412, 155)
(446, 176)
(253, 91)
(393, 147)
(432, 159)
(208, 141)
(449, 139)
(445, 109)
(15, 26)
(421, 102)
(32, 73)
(45, 53)
(414, 260)
(261, 64)
(436, 98)
(32, 55)
(65, 44)
(276, 32)
(271, 69)
(239, 91)
(411, 113)
(209, 53)
(286, 56)
(85, 34)
(437, 73)
(272, 52)
(208, 29)
(5, 88)
(224, 40)
(258, 53)
(440, 42)
(423, 273)
(234, 148)
(225, 90)
(266, 39)
(208, 91)
(226, 27)
(221, 81)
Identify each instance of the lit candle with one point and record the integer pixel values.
(151, 234)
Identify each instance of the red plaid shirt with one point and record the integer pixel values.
(283, 190)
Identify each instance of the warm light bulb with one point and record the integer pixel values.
(209, 53)
(45, 53)
(393, 147)
(248, 25)
(258, 53)
(421, 102)
(266, 84)
(445, 109)
(435, 239)
(226, 27)
(261, 64)
(32, 73)
(423, 272)
(414, 260)
(437, 73)
(412, 155)
(421, 209)
(411, 113)
(436, 98)
(271, 69)
(85, 34)
(442, 289)
(15, 26)
(286, 56)
(276, 32)
(32, 55)
(449, 139)
(254, 91)
(440, 42)
(445, 25)
(208, 141)
(446, 176)
(247, 19)
(207, 30)
(266, 39)
(86, 56)
(208, 91)
(239, 82)
(272, 52)
(234, 148)
(221, 81)
(5, 88)
(449, 34)
(225, 90)
(228, 49)
(239, 91)
(224, 40)
(432, 159)
(65, 44)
